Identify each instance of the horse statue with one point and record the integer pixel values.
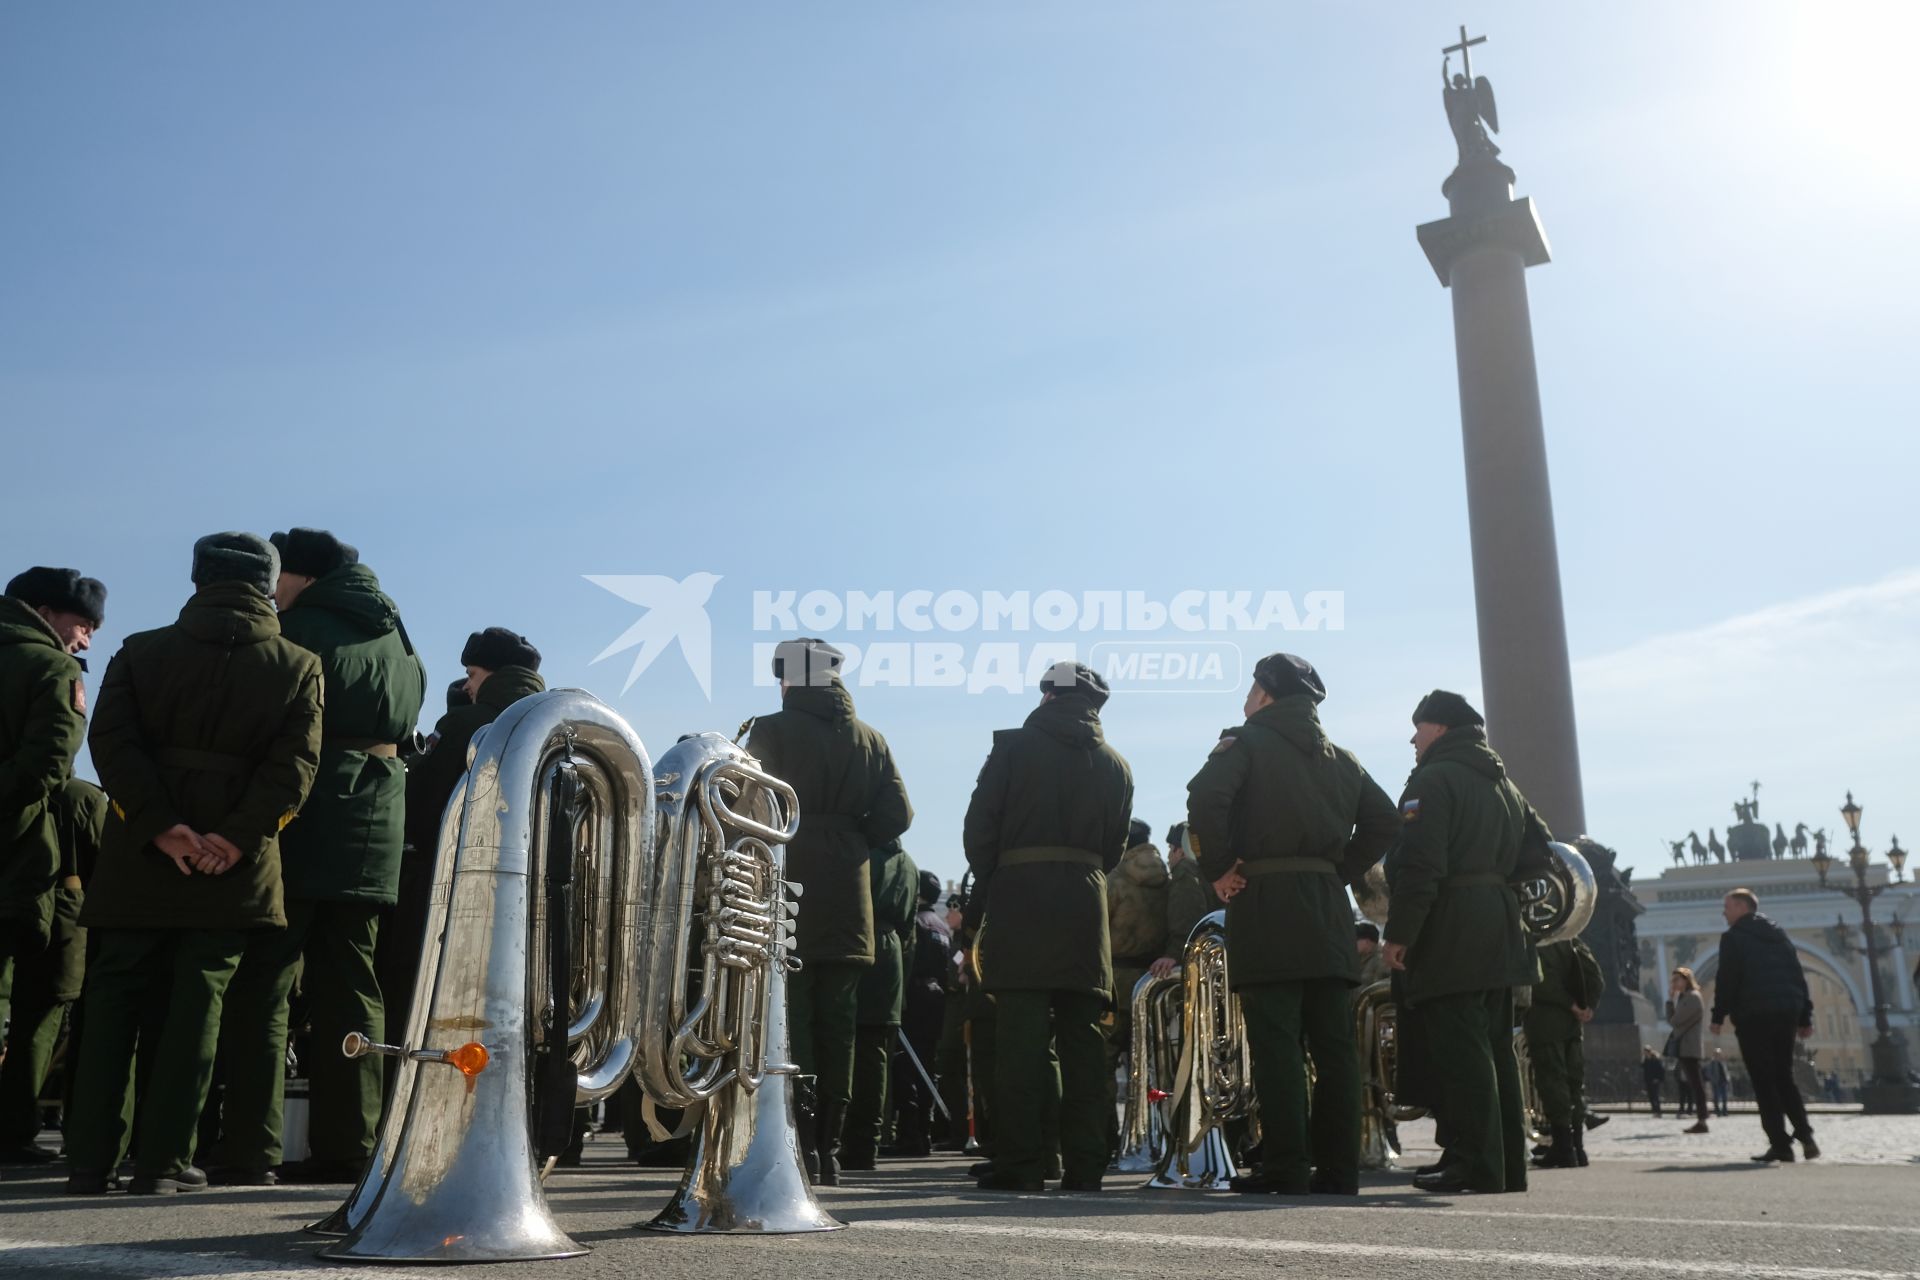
(1713, 843)
(1699, 850)
(1779, 841)
(1799, 842)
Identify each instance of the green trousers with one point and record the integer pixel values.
(866, 1124)
(821, 1006)
(331, 944)
(1471, 1039)
(1555, 1047)
(159, 989)
(1034, 1027)
(950, 1069)
(1286, 1021)
(32, 1036)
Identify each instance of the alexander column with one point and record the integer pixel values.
(1481, 252)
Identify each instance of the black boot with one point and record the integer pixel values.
(827, 1142)
(806, 1125)
(1579, 1145)
(1559, 1151)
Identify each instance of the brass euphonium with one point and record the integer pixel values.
(558, 787)
(1376, 1027)
(1555, 904)
(1214, 1081)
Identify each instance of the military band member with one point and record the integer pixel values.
(893, 881)
(1137, 931)
(1454, 926)
(341, 862)
(1283, 820)
(928, 961)
(207, 741)
(1555, 1022)
(1048, 820)
(47, 618)
(1190, 899)
(852, 801)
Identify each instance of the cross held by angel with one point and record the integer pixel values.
(1471, 110)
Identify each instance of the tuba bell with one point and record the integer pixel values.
(1214, 1080)
(1556, 900)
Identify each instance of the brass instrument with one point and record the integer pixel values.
(1554, 905)
(1376, 1042)
(559, 793)
(1214, 1081)
(1153, 1056)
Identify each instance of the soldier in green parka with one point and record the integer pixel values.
(46, 983)
(1048, 821)
(1453, 925)
(1137, 934)
(1283, 821)
(207, 741)
(47, 617)
(341, 861)
(502, 668)
(894, 878)
(852, 802)
(1563, 1000)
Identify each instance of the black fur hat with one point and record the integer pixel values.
(236, 557)
(313, 553)
(62, 590)
(497, 647)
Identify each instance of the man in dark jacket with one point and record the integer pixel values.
(502, 668)
(47, 617)
(1454, 927)
(1047, 822)
(207, 741)
(929, 961)
(1570, 985)
(1764, 990)
(342, 869)
(878, 1005)
(852, 802)
(1283, 821)
(47, 982)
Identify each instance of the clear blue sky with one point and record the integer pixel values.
(1089, 296)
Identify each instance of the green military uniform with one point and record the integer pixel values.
(1569, 980)
(431, 779)
(893, 881)
(1047, 822)
(1137, 934)
(46, 982)
(42, 722)
(1463, 824)
(341, 861)
(1301, 820)
(852, 801)
(213, 722)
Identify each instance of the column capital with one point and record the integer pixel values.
(1514, 225)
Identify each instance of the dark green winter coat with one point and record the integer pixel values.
(1303, 820)
(1190, 899)
(1462, 826)
(433, 775)
(213, 722)
(42, 723)
(1047, 822)
(80, 818)
(1569, 977)
(894, 881)
(1137, 907)
(852, 802)
(345, 846)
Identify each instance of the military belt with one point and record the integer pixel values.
(1476, 880)
(1271, 866)
(1027, 857)
(205, 761)
(385, 749)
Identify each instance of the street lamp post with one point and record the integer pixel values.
(1892, 1091)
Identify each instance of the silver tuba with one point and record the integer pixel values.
(1214, 1081)
(1555, 905)
(453, 1178)
(721, 1043)
(1152, 1058)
